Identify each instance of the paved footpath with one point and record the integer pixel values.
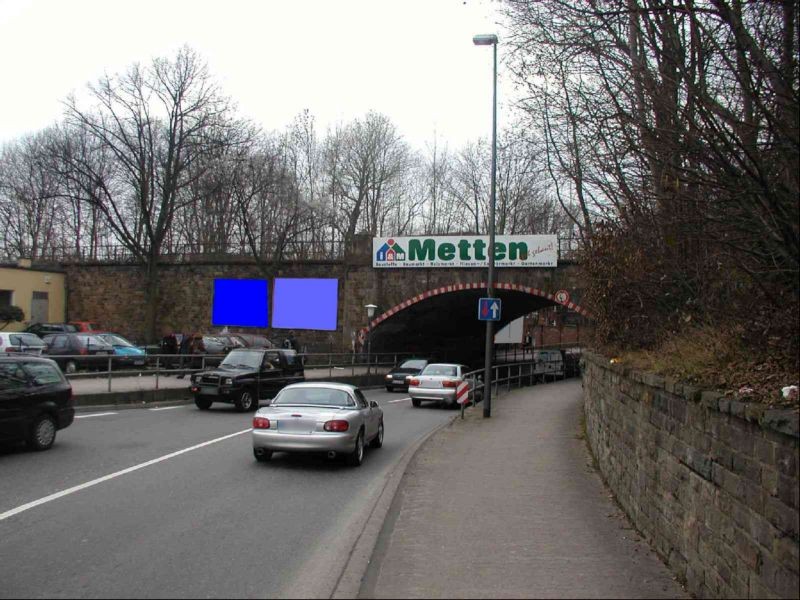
(511, 507)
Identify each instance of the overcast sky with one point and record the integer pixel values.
(412, 60)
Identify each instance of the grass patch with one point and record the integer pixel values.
(719, 359)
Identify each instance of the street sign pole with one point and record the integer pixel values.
(487, 364)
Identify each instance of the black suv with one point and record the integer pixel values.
(247, 375)
(35, 401)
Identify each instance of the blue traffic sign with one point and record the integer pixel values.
(489, 309)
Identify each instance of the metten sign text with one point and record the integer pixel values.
(464, 251)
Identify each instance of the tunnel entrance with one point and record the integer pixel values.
(443, 323)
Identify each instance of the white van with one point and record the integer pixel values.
(548, 364)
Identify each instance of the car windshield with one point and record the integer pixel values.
(316, 396)
(242, 358)
(441, 370)
(116, 340)
(25, 339)
(413, 364)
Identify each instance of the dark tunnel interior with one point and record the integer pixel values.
(446, 327)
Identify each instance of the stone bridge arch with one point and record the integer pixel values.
(455, 304)
(446, 289)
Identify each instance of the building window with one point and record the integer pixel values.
(5, 297)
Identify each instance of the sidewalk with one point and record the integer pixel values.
(510, 507)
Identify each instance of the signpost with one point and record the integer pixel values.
(489, 309)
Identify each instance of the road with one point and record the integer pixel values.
(206, 522)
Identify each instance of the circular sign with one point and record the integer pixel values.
(562, 297)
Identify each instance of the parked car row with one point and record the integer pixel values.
(85, 345)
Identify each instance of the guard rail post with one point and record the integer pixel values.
(109, 374)
(158, 369)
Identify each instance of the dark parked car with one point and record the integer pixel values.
(43, 329)
(73, 351)
(245, 376)
(398, 377)
(35, 401)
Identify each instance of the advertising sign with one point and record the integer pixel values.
(464, 251)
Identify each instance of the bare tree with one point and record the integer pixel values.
(29, 207)
(157, 123)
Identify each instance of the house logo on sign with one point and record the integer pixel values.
(390, 252)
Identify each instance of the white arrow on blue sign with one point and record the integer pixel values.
(489, 309)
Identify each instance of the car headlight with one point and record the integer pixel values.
(388, 377)
(227, 381)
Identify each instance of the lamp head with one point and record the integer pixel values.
(370, 310)
(488, 39)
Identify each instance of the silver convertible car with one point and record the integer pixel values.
(332, 418)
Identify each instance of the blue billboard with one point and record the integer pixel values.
(240, 302)
(305, 304)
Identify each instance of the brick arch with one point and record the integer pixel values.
(457, 287)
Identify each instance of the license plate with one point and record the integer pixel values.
(208, 391)
(289, 426)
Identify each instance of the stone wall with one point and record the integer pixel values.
(114, 295)
(710, 482)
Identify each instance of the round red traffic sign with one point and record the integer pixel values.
(562, 297)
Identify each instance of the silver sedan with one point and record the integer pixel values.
(440, 382)
(333, 418)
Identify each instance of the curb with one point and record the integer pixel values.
(349, 581)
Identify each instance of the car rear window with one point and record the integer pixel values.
(441, 370)
(44, 373)
(414, 364)
(313, 397)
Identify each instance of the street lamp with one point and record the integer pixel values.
(490, 40)
(370, 313)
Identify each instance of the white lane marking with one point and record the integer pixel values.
(166, 408)
(93, 482)
(401, 400)
(95, 415)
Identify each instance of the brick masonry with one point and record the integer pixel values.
(711, 483)
(114, 295)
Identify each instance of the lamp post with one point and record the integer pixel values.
(490, 40)
(370, 313)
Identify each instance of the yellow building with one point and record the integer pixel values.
(41, 294)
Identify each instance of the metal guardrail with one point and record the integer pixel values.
(291, 250)
(516, 373)
(511, 372)
(187, 364)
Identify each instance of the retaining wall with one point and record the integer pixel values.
(711, 483)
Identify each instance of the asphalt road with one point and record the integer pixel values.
(182, 508)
